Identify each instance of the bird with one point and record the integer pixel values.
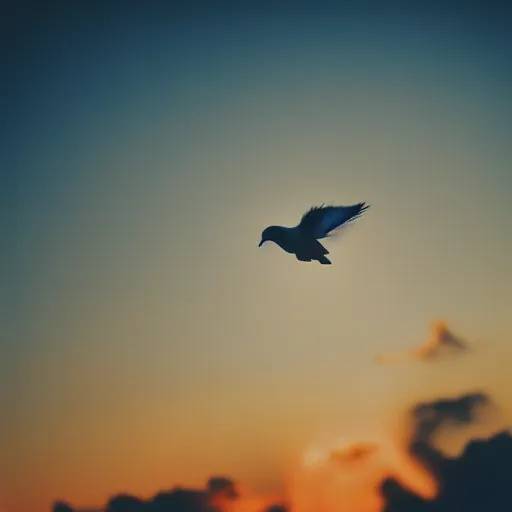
(317, 223)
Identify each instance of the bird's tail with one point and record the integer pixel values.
(324, 260)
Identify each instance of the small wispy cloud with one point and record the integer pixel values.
(442, 343)
(354, 453)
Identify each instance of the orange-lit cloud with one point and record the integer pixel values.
(340, 476)
(355, 453)
(442, 342)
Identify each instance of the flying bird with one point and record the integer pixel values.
(317, 223)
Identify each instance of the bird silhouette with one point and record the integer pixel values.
(317, 223)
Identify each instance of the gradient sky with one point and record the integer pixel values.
(148, 340)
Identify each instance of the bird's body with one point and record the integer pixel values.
(317, 223)
(293, 241)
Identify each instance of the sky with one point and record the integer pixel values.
(148, 340)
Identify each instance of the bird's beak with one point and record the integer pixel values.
(261, 242)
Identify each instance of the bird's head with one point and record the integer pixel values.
(269, 234)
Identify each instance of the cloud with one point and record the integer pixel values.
(219, 495)
(222, 485)
(430, 416)
(60, 506)
(125, 503)
(354, 453)
(479, 480)
(442, 343)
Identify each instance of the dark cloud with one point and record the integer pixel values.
(222, 485)
(479, 480)
(397, 498)
(430, 416)
(60, 506)
(442, 343)
(217, 496)
(179, 500)
(219, 491)
(125, 503)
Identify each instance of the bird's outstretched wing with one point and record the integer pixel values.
(320, 220)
